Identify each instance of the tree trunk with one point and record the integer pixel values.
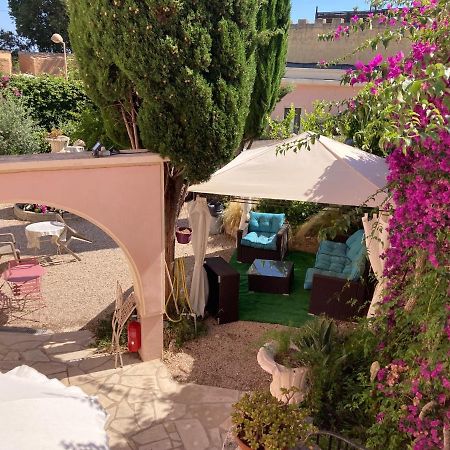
(174, 188)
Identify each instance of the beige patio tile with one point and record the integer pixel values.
(124, 410)
(104, 400)
(192, 393)
(210, 415)
(112, 379)
(116, 392)
(74, 371)
(6, 366)
(126, 426)
(72, 356)
(49, 368)
(139, 381)
(91, 364)
(12, 356)
(53, 348)
(168, 387)
(34, 355)
(136, 395)
(168, 410)
(192, 434)
(165, 444)
(155, 433)
(214, 437)
(170, 427)
(146, 368)
(145, 414)
(118, 442)
(12, 339)
(175, 436)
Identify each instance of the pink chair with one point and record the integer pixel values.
(24, 278)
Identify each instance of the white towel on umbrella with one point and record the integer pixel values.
(44, 414)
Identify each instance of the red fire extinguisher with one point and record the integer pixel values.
(134, 335)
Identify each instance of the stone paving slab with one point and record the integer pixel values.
(147, 409)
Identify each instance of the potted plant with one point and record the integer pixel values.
(183, 235)
(262, 422)
(290, 355)
(32, 212)
(57, 140)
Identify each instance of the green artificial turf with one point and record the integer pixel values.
(290, 309)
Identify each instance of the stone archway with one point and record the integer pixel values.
(122, 195)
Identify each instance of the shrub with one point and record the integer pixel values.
(337, 396)
(19, 132)
(88, 126)
(177, 333)
(51, 100)
(280, 129)
(262, 421)
(296, 212)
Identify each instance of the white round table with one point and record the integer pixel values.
(35, 231)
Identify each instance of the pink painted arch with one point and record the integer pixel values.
(122, 195)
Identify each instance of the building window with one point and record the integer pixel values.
(296, 124)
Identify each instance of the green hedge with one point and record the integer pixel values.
(51, 100)
(296, 212)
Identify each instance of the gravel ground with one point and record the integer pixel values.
(78, 294)
(225, 357)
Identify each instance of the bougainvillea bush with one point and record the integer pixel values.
(403, 112)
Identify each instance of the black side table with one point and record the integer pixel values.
(223, 297)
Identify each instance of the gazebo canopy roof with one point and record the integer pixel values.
(330, 172)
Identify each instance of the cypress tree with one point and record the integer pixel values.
(180, 73)
(273, 22)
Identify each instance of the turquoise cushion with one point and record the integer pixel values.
(253, 239)
(330, 262)
(311, 272)
(357, 236)
(332, 248)
(265, 222)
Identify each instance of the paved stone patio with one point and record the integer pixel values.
(147, 409)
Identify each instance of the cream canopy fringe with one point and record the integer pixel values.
(377, 242)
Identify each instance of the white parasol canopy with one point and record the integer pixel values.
(199, 220)
(43, 414)
(330, 172)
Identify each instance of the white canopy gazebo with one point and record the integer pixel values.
(328, 172)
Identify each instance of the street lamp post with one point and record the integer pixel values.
(57, 39)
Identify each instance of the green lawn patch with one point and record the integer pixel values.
(289, 310)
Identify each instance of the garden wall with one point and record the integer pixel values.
(40, 63)
(304, 46)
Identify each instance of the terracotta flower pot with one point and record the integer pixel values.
(183, 235)
(241, 444)
(244, 446)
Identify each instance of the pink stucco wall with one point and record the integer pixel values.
(123, 195)
(304, 95)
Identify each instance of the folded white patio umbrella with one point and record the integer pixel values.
(199, 220)
(42, 414)
(330, 172)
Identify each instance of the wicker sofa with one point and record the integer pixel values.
(265, 236)
(340, 284)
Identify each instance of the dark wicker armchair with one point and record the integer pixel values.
(339, 298)
(247, 254)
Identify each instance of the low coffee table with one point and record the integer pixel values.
(272, 277)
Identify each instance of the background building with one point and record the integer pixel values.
(311, 83)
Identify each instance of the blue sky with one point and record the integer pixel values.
(300, 9)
